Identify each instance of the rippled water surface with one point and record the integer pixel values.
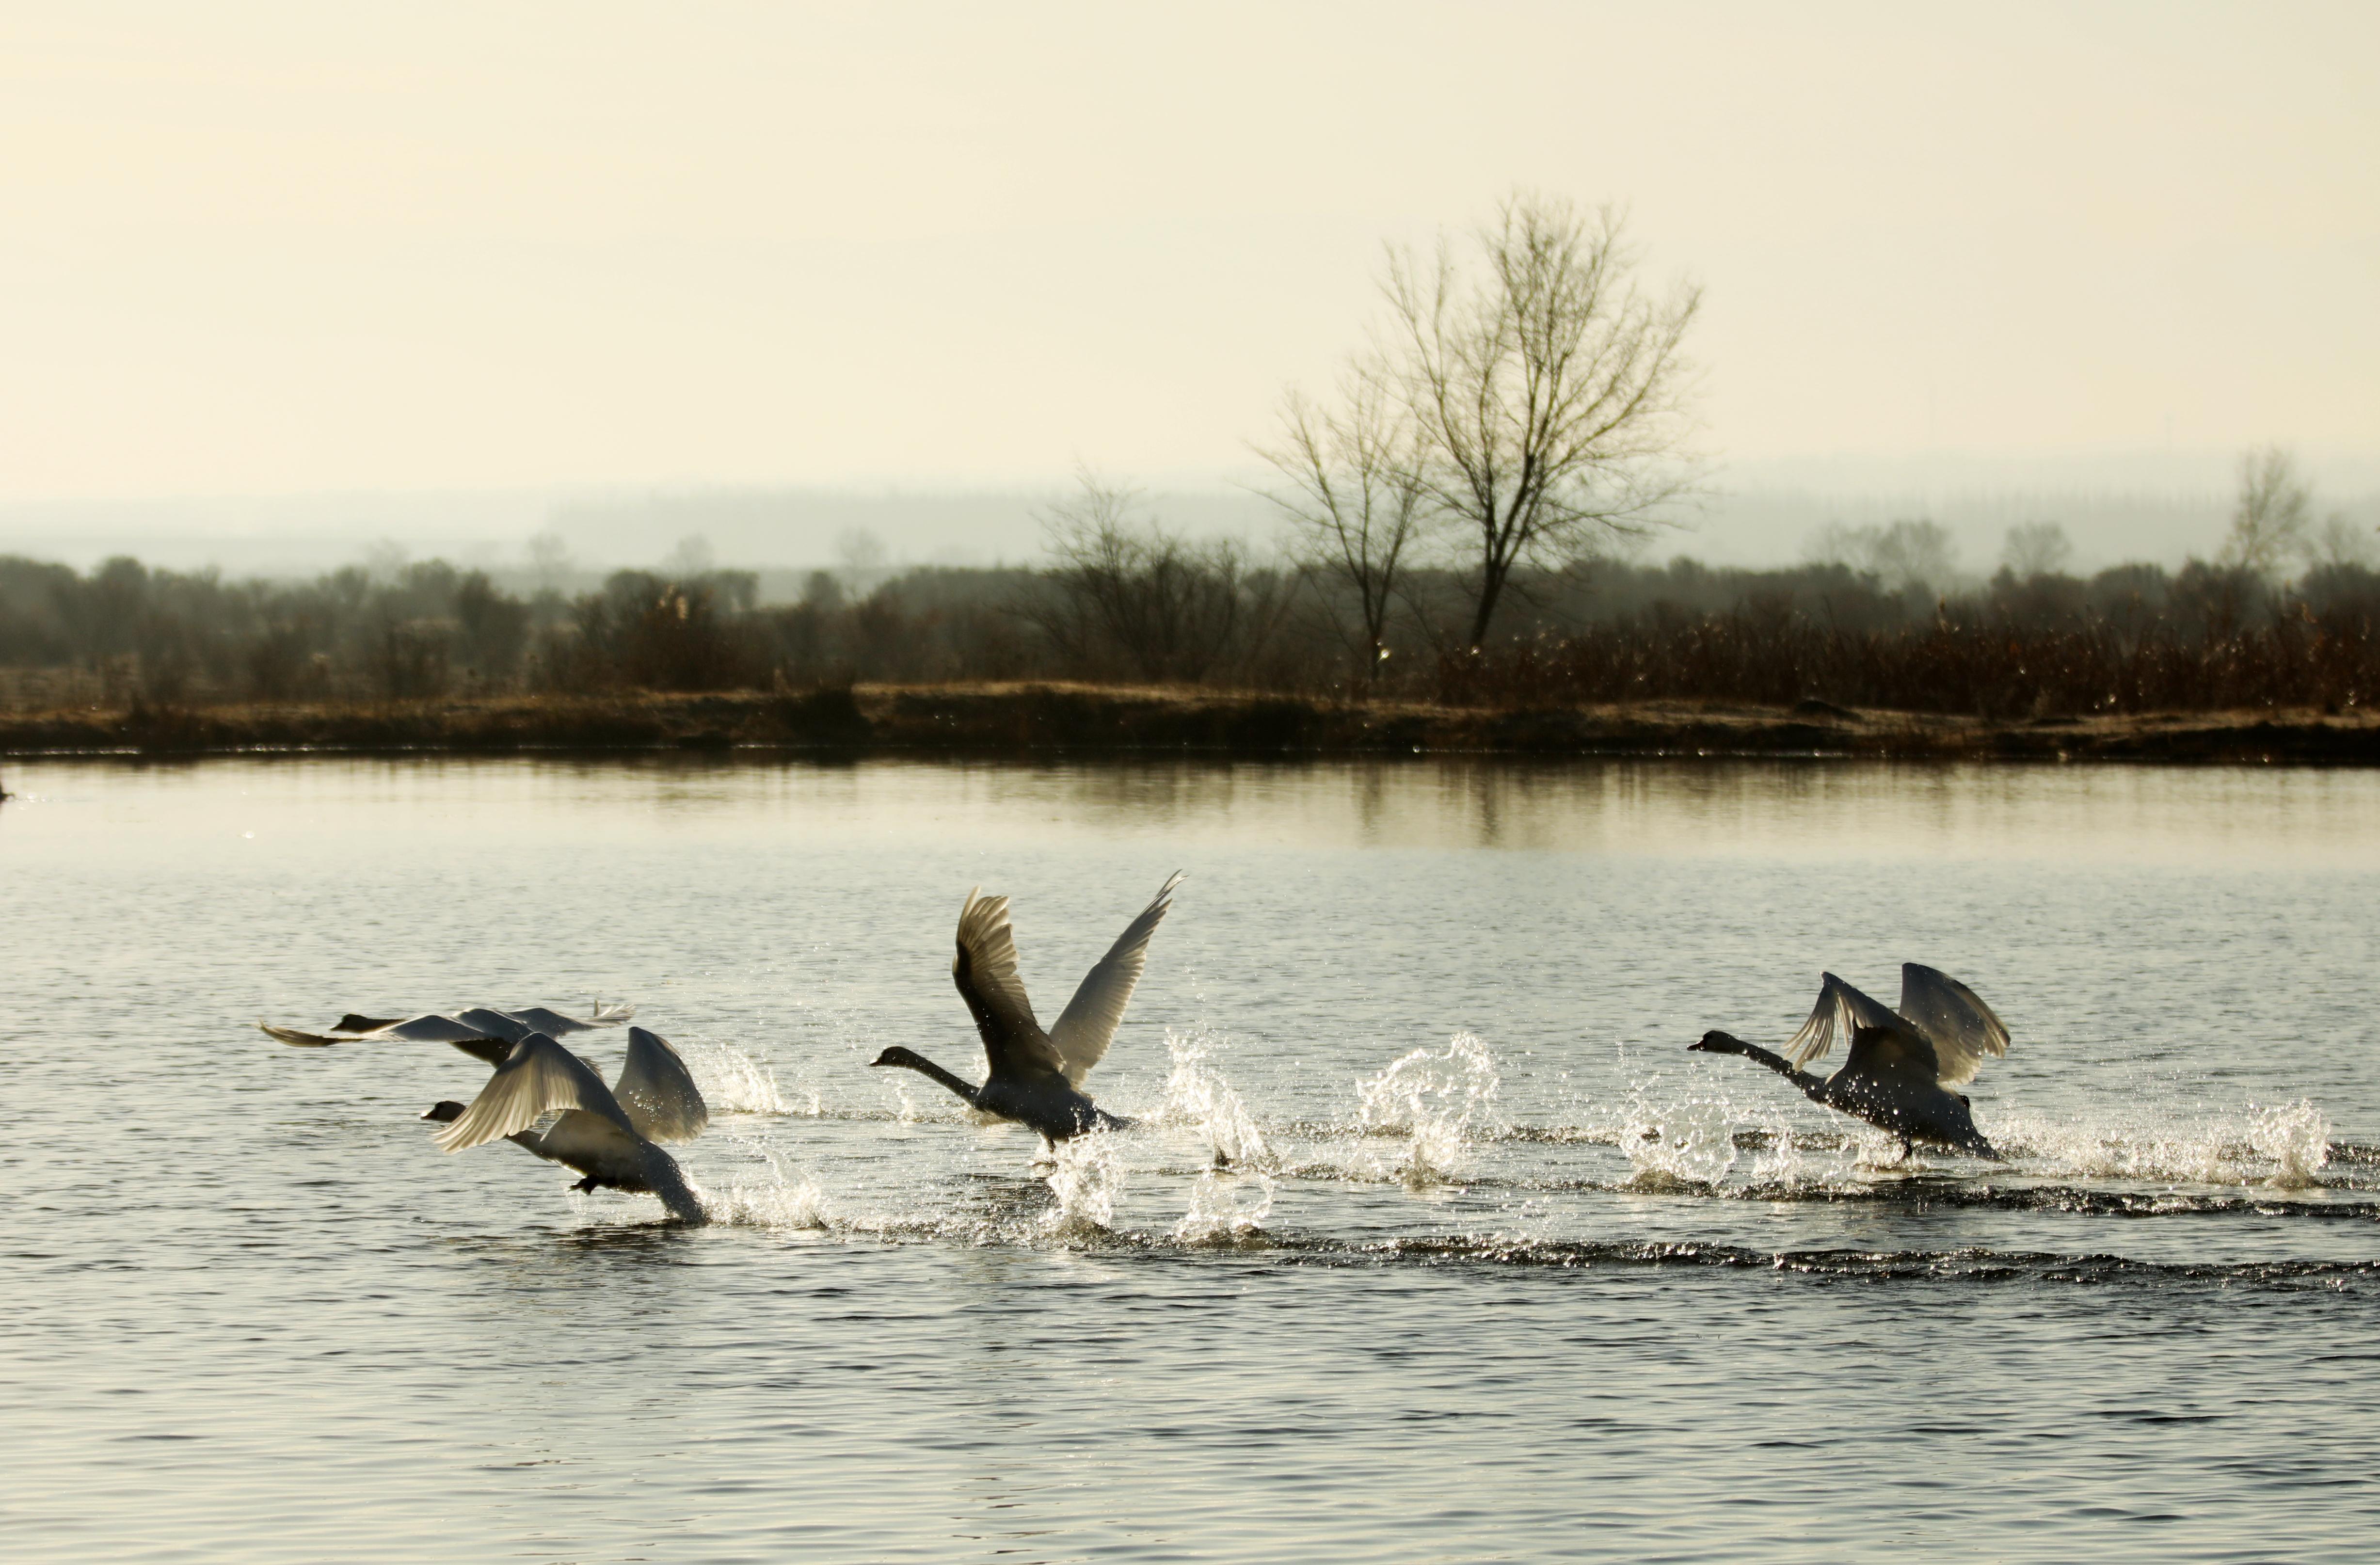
(1490, 1268)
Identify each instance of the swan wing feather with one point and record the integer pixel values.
(554, 1023)
(537, 1077)
(985, 970)
(658, 1092)
(498, 1024)
(1087, 1025)
(591, 1143)
(1840, 1009)
(430, 1028)
(1891, 1053)
(297, 1039)
(1954, 1019)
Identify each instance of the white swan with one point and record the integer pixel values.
(480, 1032)
(1900, 1066)
(606, 1134)
(1036, 1077)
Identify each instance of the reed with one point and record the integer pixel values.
(2328, 662)
(2131, 640)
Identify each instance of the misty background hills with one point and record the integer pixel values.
(2157, 507)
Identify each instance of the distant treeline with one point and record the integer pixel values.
(1150, 607)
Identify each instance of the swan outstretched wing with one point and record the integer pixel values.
(537, 1077)
(1087, 1025)
(1891, 1054)
(554, 1023)
(297, 1039)
(1954, 1018)
(430, 1028)
(501, 1024)
(985, 970)
(657, 1092)
(1840, 1009)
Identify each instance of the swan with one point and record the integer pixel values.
(1036, 1077)
(606, 1134)
(480, 1032)
(1902, 1065)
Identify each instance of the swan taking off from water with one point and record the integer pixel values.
(606, 1134)
(1901, 1067)
(484, 1033)
(1036, 1077)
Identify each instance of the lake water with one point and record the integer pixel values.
(1499, 1271)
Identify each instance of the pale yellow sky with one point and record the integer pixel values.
(272, 249)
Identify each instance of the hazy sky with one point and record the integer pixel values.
(270, 248)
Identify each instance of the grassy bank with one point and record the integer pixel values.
(1044, 718)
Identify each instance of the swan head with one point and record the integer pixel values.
(445, 1113)
(896, 1055)
(1715, 1042)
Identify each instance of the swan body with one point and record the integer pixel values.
(1901, 1069)
(1036, 1077)
(608, 1134)
(478, 1032)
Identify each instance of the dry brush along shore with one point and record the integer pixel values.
(1015, 718)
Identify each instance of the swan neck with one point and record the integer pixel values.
(1727, 1043)
(925, 1067)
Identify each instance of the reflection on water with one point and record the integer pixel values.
(1433, 1242)
(1794, 809)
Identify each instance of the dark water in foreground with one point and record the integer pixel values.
(1500, 1272)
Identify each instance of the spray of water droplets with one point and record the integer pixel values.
(1235, 1198)
(1087, 1177)
(735, 1083)
(1438, 1101)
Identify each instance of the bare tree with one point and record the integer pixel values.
(1124, 583)
(548, 560)
(2034, 548)
(692, 557)
(863, 556)
(1905, 557)
(2340, 540)
(1548, 390)
(2270, 522)
(1355, 499)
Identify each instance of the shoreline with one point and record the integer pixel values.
(1039, 718)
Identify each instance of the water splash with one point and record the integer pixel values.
(2295, 1138)
(1196, 1094)
(735, 1083)
(1216, 1215)
(1436, 1102)
(1682, 1144)
(1086, 1176)
(2284, 1146)
(774, 1200)
(797, 1205)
